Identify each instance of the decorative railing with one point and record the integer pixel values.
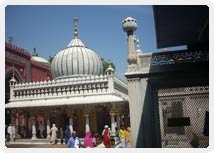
(61, 87)
(184, 91)
(172, 57)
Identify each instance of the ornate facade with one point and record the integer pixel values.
(25, 69)
(80, 95)
(19, 61)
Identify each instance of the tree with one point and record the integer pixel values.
(50, 59)
(106, 65)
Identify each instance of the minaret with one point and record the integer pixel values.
(75, 27)
(13, 80)
(12, 84)
(109, 70)
(130, 25)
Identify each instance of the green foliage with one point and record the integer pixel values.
(106, 65)
(50, 59)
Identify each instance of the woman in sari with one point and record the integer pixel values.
(106, 138)
(88, 140)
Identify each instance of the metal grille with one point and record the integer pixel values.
(184, 117)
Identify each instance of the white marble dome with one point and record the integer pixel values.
(76, 60)
(39, 59)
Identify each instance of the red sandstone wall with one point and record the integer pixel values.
(39, 73)
(35, 71)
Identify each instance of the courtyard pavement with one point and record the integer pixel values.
(36, 146)
(41, 146)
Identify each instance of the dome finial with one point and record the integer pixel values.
(109, 64)
(110, 70)
(75, 27)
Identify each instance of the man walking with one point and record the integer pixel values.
(10, 132)
(53, 134)
(74, 141)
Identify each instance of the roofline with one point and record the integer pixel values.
(18, 50)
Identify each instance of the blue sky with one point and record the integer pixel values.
(50, 28)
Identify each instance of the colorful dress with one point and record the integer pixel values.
(122, 135)
(88, 140)
(106, 138)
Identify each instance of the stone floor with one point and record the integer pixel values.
(39, 146)
(43, 143)
(36, 146)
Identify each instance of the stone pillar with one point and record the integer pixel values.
(71, 123)
(126, 120)
(136, 107)
(23, 120)
(93, 117)
(33, 128)
(112, 114)
(122, 120)
(17, 123)
(118, 121)
(143, 123)
(87, 126)
(132, 55)
(48, 128)
(13, 132)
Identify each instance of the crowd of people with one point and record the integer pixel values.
(90, 140)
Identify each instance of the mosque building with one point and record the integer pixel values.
(79, 95)
(165, 99)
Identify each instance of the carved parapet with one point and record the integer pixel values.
(62, 87)
(175, 57)
(183, 91)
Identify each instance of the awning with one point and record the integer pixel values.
(177, 25)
